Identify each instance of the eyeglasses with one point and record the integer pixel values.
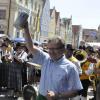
(55, 49)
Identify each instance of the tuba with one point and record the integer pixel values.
(80, 55)
(92, 79)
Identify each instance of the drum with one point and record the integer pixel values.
(29, 92)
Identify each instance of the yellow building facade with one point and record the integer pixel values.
(10, 9)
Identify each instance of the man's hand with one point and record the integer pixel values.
(25, 26)
(51, 95)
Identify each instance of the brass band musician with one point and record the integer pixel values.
(97, 72)
(87, 69)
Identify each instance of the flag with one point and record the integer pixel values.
(93, 33)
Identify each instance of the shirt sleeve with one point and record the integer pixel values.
(78, 67)
(39, 57)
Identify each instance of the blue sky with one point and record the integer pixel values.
(84, 12)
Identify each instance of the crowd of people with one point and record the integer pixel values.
(87, 63)
(66, 72)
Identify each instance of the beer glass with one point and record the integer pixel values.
(21, 20)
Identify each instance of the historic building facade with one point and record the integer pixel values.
(10, 9)
(44, 22)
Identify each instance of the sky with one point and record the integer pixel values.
(83, 12)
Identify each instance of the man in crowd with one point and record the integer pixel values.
(87, 69)
(59, 77)
(69, 54)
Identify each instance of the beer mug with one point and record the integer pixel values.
(21, 20)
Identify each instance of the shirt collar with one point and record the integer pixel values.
(60, 60)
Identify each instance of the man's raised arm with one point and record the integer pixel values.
(31, 47)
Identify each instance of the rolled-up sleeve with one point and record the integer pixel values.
(39, 57)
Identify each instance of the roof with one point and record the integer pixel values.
(56, 14)
(89, 31)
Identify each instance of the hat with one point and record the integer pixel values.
(98, 51)
(4, 45)
(82, 47)
(90, 49)
(69, 47)
(20, 45)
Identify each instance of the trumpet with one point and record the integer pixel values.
(80, 55)
(92, 79)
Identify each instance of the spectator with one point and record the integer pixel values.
(20, 53)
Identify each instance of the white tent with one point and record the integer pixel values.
(3, 35)
(93, 44)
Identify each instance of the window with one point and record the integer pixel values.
(1, 32)
(20, 1)
(34, 21)
(35, 5)
(39, 7)
(18, 33)
(30, 20)
(26, 2)
(31, 3)
(2, 14)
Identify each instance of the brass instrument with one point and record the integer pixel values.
(80, 55)
(92, 79)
